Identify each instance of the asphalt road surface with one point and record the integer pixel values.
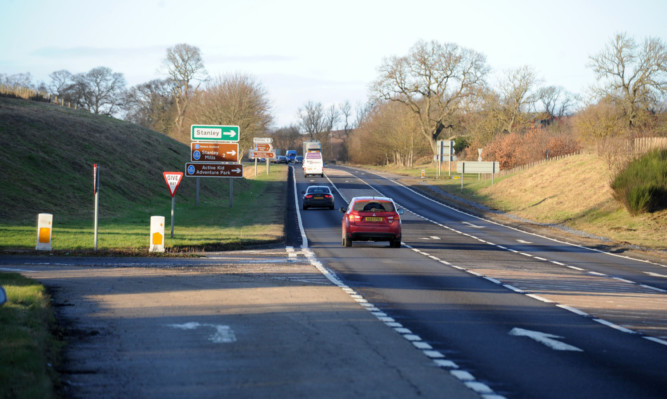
(466, 308)
(520, 314)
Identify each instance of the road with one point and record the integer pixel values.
(467, 308)
(514, 314)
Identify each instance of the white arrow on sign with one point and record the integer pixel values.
(232, 152)
(237, 170)
(547, 339)
(230, 133)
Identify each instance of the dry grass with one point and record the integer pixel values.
(575, 192)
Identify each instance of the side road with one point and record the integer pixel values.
(262, 323)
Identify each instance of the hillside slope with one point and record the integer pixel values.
(575, 192)
(47, 154)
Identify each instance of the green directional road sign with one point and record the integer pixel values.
(215, 133)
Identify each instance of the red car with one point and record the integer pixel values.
(371, 219)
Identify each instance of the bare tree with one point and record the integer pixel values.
(18, 80)
(185, 68)
(637, 75)
(516, 97)
(318, 122)
(288, 138)
(312, 120)
(234, 100)
(555, 100)
(151, 105)
(100, 90)
(60, 82)
(434, 81)
(346, 119)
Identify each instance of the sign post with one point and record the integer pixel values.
(96, 189)
(157, 234)
(173, 179)
(215, 153)
(263, 149)
(44, 227)
(445, 148)
(215, 133)
(477, 167)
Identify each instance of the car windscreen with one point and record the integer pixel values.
(318, 190)
(373, 206)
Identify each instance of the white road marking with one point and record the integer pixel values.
(523, 242)
(655, 275)
(223, 334)
(550, 340)
(473, 225)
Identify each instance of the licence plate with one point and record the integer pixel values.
(373, 219)
(319, 197)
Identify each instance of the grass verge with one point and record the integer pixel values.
(255, 218)
(29, 348)
(573, 192)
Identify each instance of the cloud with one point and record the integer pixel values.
(257, 58)
(95, 52)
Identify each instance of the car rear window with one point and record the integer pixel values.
(318, 190)
(373, 206)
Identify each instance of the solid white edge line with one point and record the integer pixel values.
(539, 298)
(519, 230)
(573, 310)
(304, 239)
(657, 340)
(614, 326)
(435, 356)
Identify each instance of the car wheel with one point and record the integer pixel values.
(346, 241)
(305, 207)
(395, 243)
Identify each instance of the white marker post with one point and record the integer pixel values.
(157, 234)
(44, 227)
(96, 189)
(173, 179)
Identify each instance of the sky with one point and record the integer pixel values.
(321, 51)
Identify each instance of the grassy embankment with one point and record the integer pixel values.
(46, 157)
(573, 191)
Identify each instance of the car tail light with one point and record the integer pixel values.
(354, 218)
(327, 196)
(309, 196)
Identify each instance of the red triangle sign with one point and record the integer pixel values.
(173, 179)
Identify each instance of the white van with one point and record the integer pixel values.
(313, 164)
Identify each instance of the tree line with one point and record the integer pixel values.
(438, 91)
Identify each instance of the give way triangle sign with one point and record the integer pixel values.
(173, 179)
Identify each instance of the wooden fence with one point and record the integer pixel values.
(37, 95)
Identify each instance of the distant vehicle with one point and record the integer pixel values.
(281, 159)
(311, 146)
(318, 196)
(291, 155)
(313, 164)
(371, 219)
(298, 159)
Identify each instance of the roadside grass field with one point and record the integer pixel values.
(573, 191)
(255, 218)
(29, 343)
